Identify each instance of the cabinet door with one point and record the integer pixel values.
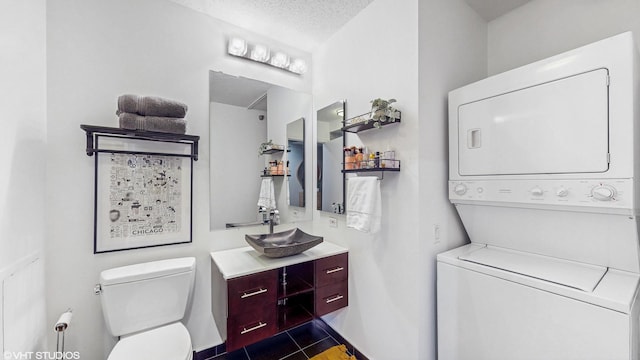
(332, 269)
(251, 313)
(251, 326)
(252, 291)
(331, 298)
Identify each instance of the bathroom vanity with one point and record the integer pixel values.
(255, 297)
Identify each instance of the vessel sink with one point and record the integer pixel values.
(285, 243)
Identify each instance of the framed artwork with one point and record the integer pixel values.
(143, 193)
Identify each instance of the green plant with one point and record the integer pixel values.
(381, 111)
(265, 146)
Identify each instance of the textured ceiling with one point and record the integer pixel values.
(491, 9)
(303, 24)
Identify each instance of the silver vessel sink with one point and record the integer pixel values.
(285, 243)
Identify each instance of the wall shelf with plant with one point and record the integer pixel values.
(381, 114)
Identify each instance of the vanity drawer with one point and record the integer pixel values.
(332, 297)
(249, 327)
(252, 292)
(332, 269)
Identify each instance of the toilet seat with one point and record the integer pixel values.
(168, 342)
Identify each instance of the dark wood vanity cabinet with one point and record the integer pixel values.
(262, 304)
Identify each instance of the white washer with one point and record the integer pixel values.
(543, 173)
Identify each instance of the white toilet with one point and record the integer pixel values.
(143, 305)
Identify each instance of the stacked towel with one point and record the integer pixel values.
(151, 113)
(267, 196)
(364, 204)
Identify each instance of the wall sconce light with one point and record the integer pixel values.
(260, 53)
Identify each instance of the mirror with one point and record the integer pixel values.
(295, 162)
(330, 189)
(243, 114)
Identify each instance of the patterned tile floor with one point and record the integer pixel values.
(299, 343)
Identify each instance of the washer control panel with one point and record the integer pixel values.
(615, 193)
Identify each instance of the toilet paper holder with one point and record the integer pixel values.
(61, 326)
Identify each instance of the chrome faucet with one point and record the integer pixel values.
(271, 216)
(268, 217)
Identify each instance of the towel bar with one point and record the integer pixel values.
(95, 131)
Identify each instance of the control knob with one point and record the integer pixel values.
(603, 192)
(460, 189)
(536, 191)
(562, 192)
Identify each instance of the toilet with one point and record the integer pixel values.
(143, 305)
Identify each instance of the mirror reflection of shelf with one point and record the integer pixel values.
(365, 122)
(275, 173)
(272, 151)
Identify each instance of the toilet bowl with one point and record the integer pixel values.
(144, 304)
(169, 342)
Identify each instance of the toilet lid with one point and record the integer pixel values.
(169, 342)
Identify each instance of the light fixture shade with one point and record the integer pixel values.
(237, 47)
(298, 66)
(280, 60)
(257, 52)
(260, 53)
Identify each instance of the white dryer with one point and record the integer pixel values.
(544, 165)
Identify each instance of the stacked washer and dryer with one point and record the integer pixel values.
(544, 173)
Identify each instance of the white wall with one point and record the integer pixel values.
(235, 133)
(453, 53)
(22, 184)
(376, 55)
(543, 28)
(392, 274)
(98, 50)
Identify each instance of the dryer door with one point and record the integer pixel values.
(552, 128)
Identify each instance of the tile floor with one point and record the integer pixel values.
(299, 343)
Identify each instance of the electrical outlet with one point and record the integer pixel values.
(436, 234)
(333, 222)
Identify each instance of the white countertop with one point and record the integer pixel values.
(245, 260)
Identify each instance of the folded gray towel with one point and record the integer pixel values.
(152, 123)
(151, 106)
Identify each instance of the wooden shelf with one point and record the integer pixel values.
(293, 315)
(295, 286)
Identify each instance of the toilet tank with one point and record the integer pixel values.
(143, 296)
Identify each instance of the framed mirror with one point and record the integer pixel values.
(243, 114)
(330, 143)
(296, 163)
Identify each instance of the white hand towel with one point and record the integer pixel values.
(364, 204)
(267, 196)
